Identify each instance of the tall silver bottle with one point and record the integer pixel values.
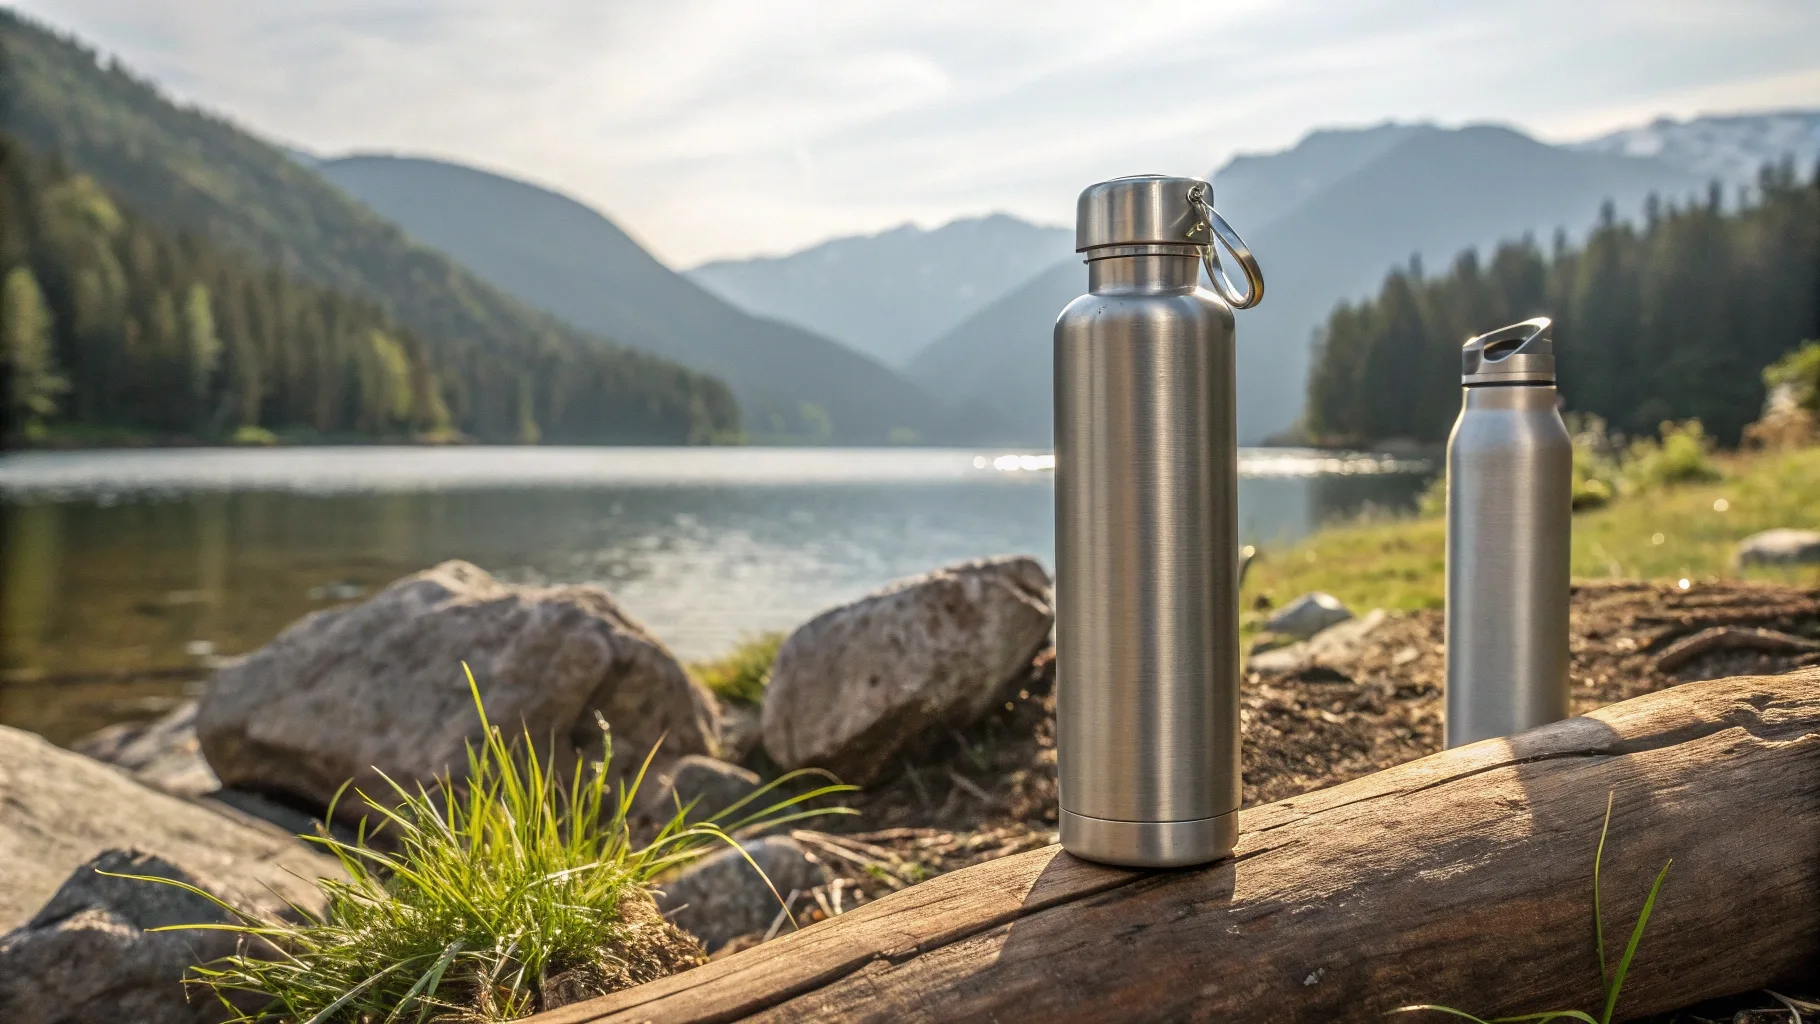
(1146, 488)
(1509, 522)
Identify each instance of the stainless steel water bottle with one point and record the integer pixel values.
(1509, 517)
(1146, 542)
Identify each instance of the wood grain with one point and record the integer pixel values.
(1463, 878)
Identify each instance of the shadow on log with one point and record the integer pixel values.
(1463, 878)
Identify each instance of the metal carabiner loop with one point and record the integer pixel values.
(1223, 234)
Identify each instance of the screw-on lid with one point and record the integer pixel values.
(1519, 354)
(1144, 209)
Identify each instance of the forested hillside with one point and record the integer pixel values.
(569, 260)
(195, 201)
(1673, 318)
(111, 323)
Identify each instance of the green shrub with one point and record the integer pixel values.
(740, 675)
(1797, 376)
(1682, 456)
(1596, 471)
(253, 436)
(506, 887)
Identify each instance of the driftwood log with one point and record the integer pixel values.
(1463, 878)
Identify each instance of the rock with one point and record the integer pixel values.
(90, 955)
(1307, 615)
(163, 754)
(721, 897)
(1780, 547)
(59, 809)
(1334, 647)
(740, 731)
(347, 693)
(856, 685)
(713, 785)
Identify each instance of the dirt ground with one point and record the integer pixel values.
(1364, 699)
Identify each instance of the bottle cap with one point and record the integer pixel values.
(1144, 209)
(1519, 354)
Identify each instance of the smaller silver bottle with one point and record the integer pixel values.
(1509, 522)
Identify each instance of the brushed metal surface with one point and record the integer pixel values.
(1150, 844)
(1509, 523)
(1141, 209)
(1146, 556)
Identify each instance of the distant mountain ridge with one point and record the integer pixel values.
(890, 294)
(567, 259)
(1730, 148)
(1409, 190)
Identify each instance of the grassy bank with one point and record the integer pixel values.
(1663, 531)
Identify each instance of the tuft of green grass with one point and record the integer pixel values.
(740, 676)
(1611, 982)
(511, 890)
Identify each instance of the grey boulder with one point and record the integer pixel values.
(1307, 615)
(856, 685)
(91, 956)
(59, 810)
(1780, 547)
(721, 897)
(348, 693)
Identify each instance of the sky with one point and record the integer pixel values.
(712, 128)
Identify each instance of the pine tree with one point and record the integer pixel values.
(35, 383)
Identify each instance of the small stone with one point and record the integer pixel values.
(720, 896)
(1334, 648)
(1307, 615)
(1780, 547)
(713, 785)
(740, 731)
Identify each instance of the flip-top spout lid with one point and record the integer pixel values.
(1519, 354)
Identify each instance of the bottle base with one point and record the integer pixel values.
(1150, 844)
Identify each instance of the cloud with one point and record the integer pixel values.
(710, 127)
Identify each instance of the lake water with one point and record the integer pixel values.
(128, 573)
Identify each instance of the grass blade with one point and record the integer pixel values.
(1630, 949)
(1437, 1009)
(1598, 908)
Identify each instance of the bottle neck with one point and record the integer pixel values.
(1520, 397)
(1148, 273)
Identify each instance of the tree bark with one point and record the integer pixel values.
(1463, 878)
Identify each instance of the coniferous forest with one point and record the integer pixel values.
(113, 323)
(1669, 319)
(169, 275)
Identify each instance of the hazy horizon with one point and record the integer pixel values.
(711, 131)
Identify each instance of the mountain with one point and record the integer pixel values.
(565, 258)
(185, 171)
(890, 294)
(1265, 186)
(1426, 192)
(1732, 149)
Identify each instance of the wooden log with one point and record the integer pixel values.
(1463, 878)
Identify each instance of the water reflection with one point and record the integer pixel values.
(123, 581)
